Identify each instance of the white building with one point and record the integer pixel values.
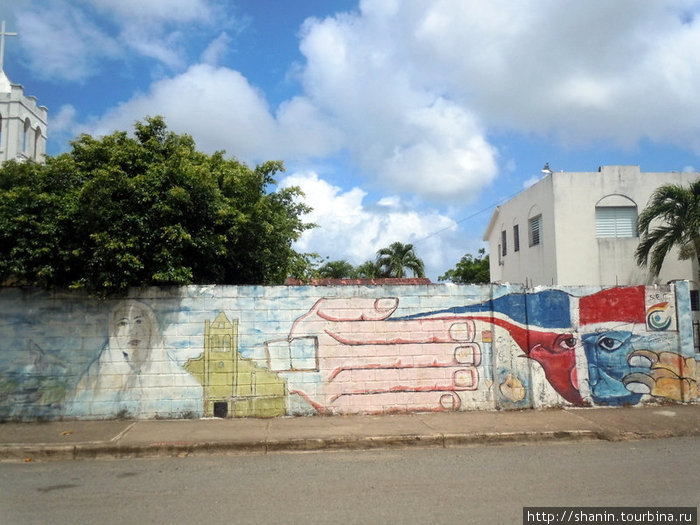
(23, 122)
(580, 229)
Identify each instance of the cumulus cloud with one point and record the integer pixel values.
(583, 71)
(414, 94)
(353, 230)
(420, 86)
(225, 112)
(398, 127)
(216, 49)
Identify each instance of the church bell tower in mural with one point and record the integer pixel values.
(233, 385)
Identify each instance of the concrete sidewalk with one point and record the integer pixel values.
(148, 438)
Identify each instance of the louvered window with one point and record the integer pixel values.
(534, 230)
(504, 249)
(516, 238)
(616, 221)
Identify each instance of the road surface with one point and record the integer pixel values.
(474, 485)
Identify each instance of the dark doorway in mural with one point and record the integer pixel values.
(220, 409)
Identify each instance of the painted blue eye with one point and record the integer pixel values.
(609, 344)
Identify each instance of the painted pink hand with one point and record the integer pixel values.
(369, 362)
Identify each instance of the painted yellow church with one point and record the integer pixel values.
(233, 385)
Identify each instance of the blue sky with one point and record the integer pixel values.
(401, 119)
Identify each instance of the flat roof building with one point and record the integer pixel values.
(580, 229)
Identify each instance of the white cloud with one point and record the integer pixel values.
(352, 230)
(415, 93)
(61, 42)
(417, 86)
(64, 121)
(216, 50)
(397, 126)
(157, 10)
(164, 47)
(584, 71)
(224, 112)
(163, 29)
(447, 159)
(74, 41)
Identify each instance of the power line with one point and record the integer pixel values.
(460, 221)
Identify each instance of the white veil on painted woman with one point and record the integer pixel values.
(134, 375)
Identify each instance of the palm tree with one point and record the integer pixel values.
(368, 270)
(336, 270)
(397, 258)
(676, 211)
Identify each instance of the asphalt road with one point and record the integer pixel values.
(475, 485)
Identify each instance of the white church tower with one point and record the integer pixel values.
(22, 121)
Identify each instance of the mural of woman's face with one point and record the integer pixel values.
(132, 332)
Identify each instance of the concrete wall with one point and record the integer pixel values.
(228, 351)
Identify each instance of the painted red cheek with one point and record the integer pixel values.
(574, 378)
(560, 370)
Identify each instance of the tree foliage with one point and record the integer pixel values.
(469, 270)
(397, 259)
(123, 211)
(392, 261)
(368, 270)
(674, 210)
(337, 270)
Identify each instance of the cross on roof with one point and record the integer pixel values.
(3, 34)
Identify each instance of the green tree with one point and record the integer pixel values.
(675, 212)
(336, 270)
(397, 259)
(469, 270)
(35, 211)
(368, 270)
(123, 211)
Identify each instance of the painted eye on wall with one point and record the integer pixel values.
(609, 344)
(564, 342)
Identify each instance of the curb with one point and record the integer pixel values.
(110, 450)
(52, 452)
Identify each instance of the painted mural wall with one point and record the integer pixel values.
(225, 351)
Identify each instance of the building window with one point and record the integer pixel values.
(25, 135)
(504, 250)
(695, 300)
(37, 141)
(516, 238)
(534, 230)
(616, 221)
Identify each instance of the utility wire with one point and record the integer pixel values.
(460, 221)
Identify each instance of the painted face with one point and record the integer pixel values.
(556, 352)
(557, 355)
(132, 332)
(608, 355)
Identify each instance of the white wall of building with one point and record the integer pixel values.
(538, 260)
(570, 252)
(23, 124)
